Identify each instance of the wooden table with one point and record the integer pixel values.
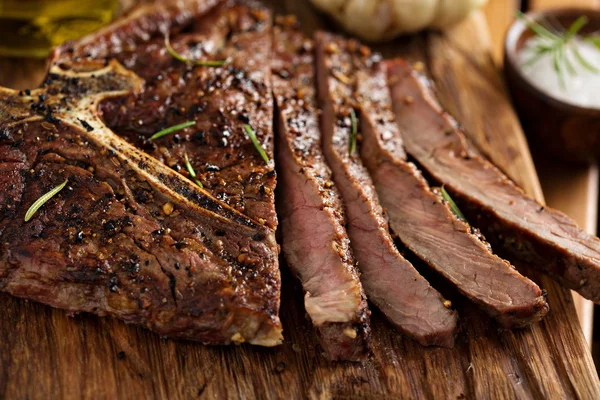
(45, 354)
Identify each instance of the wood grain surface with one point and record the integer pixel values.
(540, 4)
(46, 354)
(499, 14)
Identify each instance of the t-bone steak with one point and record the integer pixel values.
(133, 234)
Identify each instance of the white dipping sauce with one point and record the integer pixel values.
(581, 88)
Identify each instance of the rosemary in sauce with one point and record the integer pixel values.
(564, 63)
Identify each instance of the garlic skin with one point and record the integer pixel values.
(376, 20)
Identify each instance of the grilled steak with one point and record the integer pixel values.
(129, 236)
(424, 222)
(515, 223)
(418, 309)
(139, 25)
(314, 240)
(221, 100)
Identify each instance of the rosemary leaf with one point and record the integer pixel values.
(453, 207)
(191, 171)
(595, 40)
(545, 47)
(257, 145)
(534, 58)
(186, 60)
(557, 67)
(42, 200)
(172, 51)
(353, 132)
(536, 27)
(567, 61)
(584, 63)
(559, 46)
(541, 50)
(576, 27)
(172, 129)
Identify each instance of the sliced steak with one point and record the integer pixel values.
(515, 223)
(424, 222)
(314, 240)
(128, 236)
(417, 309)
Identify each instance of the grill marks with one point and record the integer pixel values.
(417, 309)
(315, 242)
(516, 224)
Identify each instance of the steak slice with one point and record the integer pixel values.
(515, 223)
(425, 224)
(417, 309)
(128, 236)
(314, 240)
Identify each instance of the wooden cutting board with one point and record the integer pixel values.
(46, 354)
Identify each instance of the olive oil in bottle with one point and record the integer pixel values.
(30, 28)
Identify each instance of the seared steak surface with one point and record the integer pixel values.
(177, 233)
(390, 281)
(130, 235)
(315, 242)
(424, 222)
(515, 223)
(220, 100)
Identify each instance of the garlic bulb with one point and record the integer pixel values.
(376, 20)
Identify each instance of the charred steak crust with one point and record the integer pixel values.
(515, 224)
(424, 222)
(136, 27)
(418, 309)
(220, 100)
(315, 242)
(129, 236)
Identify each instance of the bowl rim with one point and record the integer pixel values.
(516, 31)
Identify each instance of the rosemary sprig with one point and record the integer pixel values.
(191, 171)
(453, 207)
(42, 200)
(186, 60)
(537, 28)
(584, 62)
(560, 45)
(257, 145)
(172, 129)
(353, 131)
